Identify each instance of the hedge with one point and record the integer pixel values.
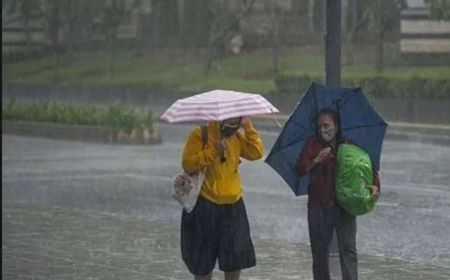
(376, 86)
(115, 116)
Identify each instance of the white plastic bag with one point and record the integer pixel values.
(186, 189)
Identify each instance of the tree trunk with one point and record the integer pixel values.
(71, 29)
(351, 37)
(180, 5)
(112, 47)
(319, 16)
(379, 54)
(182, 36)
(27, 31)
(140, 36)
(212, 51)
(344, 16)
(53, 30)
(311, 15)
(275, 38)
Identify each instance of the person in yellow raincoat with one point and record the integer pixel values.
(217, 228)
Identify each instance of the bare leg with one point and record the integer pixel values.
(232, 275)
(203, 277)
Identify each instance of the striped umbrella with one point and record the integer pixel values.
(217, 105)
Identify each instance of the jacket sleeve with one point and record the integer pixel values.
(194, 157)
(252, 147)
(305, 160)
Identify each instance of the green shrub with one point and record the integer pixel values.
(376, 86)
(116, 116)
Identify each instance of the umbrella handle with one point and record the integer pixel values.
(277, 122)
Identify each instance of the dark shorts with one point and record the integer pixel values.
(212, 232)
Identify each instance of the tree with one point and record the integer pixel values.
(274, 8)
(384, 16)
(166, 14)
(439, 9)
(226, 18)
(196, 22)
(68, 17)
(61, 15)
(52, 15)
(77, 13)
(378, 18)
(143, 9)
(114, 12)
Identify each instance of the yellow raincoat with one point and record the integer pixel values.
(222, 184)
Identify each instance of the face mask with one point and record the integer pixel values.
(327, 133)
(227, 131)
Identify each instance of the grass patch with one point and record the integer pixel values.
(184, 71)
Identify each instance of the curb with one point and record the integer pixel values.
(83, 133)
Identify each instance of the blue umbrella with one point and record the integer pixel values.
(359, 122)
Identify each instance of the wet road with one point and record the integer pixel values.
(411, 220)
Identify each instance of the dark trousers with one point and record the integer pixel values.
(321, 224)
(214, 232)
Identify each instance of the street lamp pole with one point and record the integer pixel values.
(333, 63)
(333, 43)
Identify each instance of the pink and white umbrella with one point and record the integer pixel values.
(217, 105)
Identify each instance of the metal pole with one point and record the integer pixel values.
(333, 63)
(333, 43)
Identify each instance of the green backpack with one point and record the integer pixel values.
(353, 174)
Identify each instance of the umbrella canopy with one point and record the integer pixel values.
(359, 122)
(217, 105)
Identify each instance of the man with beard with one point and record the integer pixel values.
(318, 160)
(217, 228)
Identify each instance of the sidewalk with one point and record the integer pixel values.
(427, 133)
(55, 243)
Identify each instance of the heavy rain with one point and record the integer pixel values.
(88, 165)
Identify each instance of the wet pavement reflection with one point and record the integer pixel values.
(73, 210)
(58, 243)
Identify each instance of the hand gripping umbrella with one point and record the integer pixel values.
(359, 122)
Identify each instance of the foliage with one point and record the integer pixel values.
(23, 7)
(28, 10)
(196, 23)
(383, 14)
(440, 9)
(116, 116)
(376, 86)
(249, 71)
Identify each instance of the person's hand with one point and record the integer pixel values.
(184, 181)
(374, 191)
(245, 120)
(323, 154)
(245, 123)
